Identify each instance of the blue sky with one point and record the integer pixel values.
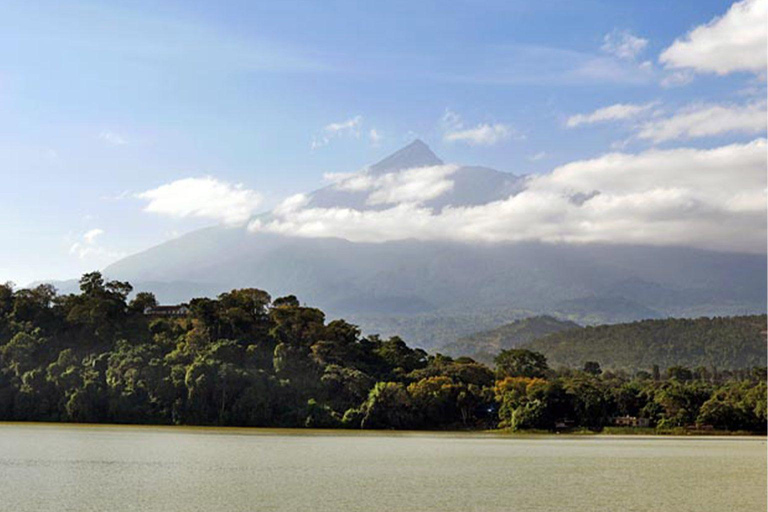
(101, 101)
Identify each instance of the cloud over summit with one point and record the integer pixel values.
(415, 185)
(706, 198)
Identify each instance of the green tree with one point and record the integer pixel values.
(388, 407)
(240, 359)
(592, 368)
(142, 301)
(591, 402)
(520, 362)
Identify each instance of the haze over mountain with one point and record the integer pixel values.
(394, 286)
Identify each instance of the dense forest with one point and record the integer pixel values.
(721, 342)
(245, 359)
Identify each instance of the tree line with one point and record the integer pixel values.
(722, 342)
(244, 359)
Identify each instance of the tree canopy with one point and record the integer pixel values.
(248, 360)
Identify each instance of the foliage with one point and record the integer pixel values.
(720, 342)
(244, 359)
(520, 362)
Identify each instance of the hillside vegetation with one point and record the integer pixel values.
(244, 359)
(484, 346)
(721, 342)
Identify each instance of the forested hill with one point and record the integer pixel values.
(484, 346)
(244, 359)
(721, 342)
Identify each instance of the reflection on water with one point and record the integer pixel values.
(55, 468)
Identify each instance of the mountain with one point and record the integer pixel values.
(722, 343)
(484, 346)
(472, 185)
(435, 292)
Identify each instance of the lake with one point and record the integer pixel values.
(116, 468)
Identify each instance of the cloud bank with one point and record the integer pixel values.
(706, 198)
(737, 41)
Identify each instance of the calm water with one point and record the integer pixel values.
(82, 468)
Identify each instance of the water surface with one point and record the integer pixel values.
(115, 468)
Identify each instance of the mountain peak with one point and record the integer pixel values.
(415, 154)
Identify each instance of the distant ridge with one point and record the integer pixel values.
(484, 346)
(720, 343)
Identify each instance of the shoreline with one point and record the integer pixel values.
(609, 432)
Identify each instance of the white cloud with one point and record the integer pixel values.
(88, 248)
(609, 69)
(707, 120)
(412, 185)
(125, 194)
(484, 134)
(481, 135)
(615, 112)
(350, 181)
(112, 138)
(291, 204)
(541, 155)
(205, 197)
(736, 41)
(90, 236)
(350, 127)
(415, 185)
(451, 121)
(713, 198)
(677, 78)
(374, 136)
(621, 144)
(623, 44)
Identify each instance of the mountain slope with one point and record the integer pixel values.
(483, 346)
(393, 284)
(724, 343)
(417, 287)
